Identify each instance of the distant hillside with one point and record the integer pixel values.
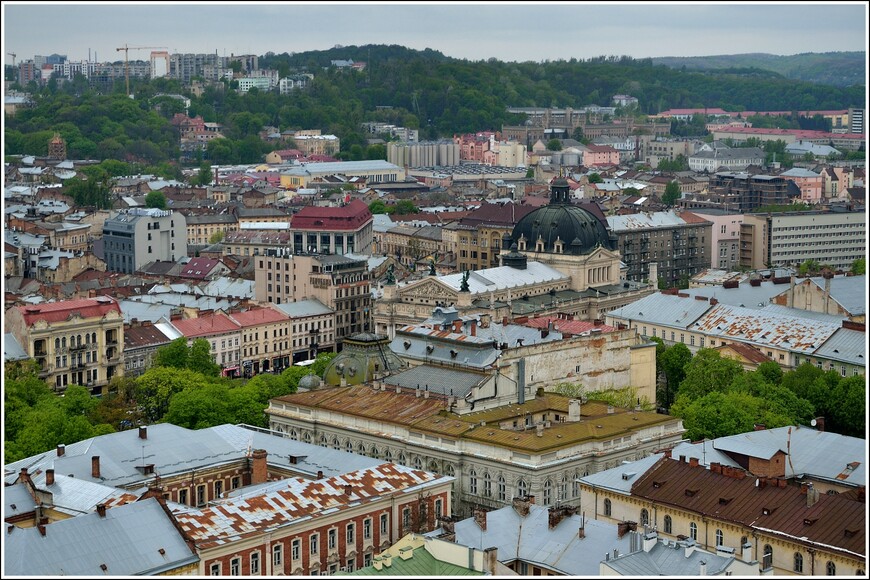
(839, 69)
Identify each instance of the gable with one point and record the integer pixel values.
(428, 289)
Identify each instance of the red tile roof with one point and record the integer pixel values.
(199, 268)
(349, 217)
(139, 336)
(567, 326)
(208, 325)
(257, 316)
(60, 311)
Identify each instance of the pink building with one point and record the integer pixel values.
(809, 182)
(472, 147)
(597, 155)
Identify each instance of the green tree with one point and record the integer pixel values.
(707, 372)
(200, 407)
(216, 238)
(378, 207)
(175, 354)
(156, 388)
(554, 145)
(201, 360)
(155, 199)
(672, 193)
(847, 407)
(674, 361)
(859, 267)
(204, 176)
(573, 390)
(403, 207)
(595, 178)
(809, 267)
(718, 414)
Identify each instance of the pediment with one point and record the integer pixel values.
(429, 289)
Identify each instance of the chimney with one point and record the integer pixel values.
(819, 423)
(61, 449)
(319, 474)
(715, 467)
(582, 531)
(490, 559)
(759, 427)
(473, 328)
(747, 552)
(649, 541)
(667, 453)
(504, 321)
(812, 495)
(522, 505)
(49, 477)
(101, 510)
(348, 489)
(23, 476)
(480, 518)
(693, 462)
(95, 467)
(540, 430)
(597, 322)
(703, 571)
(610, 409)
(713, 302)
(574, 410)
(555, 515)
(143, 432)
(790, 296)
(259, 471)
(457, 326)
(41, 529)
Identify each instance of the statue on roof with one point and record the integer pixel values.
(463, 287)
(391, 276)
(432, 267)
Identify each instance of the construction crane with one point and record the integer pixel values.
(126, 49)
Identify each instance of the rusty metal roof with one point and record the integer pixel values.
(300, 500)
(834, 522)
(765, 328)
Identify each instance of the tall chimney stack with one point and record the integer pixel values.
(95, 467)
(61, 449)
(49, 477)
(143, 432)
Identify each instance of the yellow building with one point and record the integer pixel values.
(75, 342)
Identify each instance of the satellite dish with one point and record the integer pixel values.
(813, 422)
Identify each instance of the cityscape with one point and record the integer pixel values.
(375, 310)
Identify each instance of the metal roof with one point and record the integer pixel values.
(850, 292)
(622, 477)
(442, 380)
(642, 221)
(801, 335)
(531, 539)
(845, 345)
(303, 308)
(77, 496)
(17, 500)
(663, 309)
(502, 277)
(669, 560)
(744, 295)
(12, 350)
(137, 538)
(413, 342)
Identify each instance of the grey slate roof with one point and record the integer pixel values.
(127, 541)
(850, 292)
(845, 345)
(440, 380)
(530, 539)
(744, 295)
(17, 500)
(77, 496)
(472, 351)
(671, 560)
(502, 277)
(303, 308)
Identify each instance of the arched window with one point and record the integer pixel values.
(294, 435)
(522, 488)
(403, 460)
(548, 492)
(608, 508)
(502, 489)
(563, 489)
(472, 482)
(767, 561)
(669, 525)
(487, 485)
(349, 446)
(720, 538)
(94, 337)
(306, 437)
(373, 452)
(388, 456)
(418, 463)
(78, 340)
(63, 342)
(693, 531)
(433, 466)
(335, 443)
(323, 441)
(87, 339)
(361, 448)
(56, 344)
(798, 562)
(831, 569)
(575, 485)
(449, 470)
(644, 517)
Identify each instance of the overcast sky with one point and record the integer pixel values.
(526, 31)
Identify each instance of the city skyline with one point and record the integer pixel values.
(507, 32)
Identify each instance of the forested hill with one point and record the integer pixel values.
(839, 69)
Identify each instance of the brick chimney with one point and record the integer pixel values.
(480, 518)
(319, 474)
(812, 495)
(819, 423)
(101, 510)
(259, 471)
(95, 467)
(49, 477)
(693, 462)
(61, 449)
(490, 561)
(522, 505)
(23, 476)
(143, 432)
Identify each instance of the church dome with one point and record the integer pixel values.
(575, 229)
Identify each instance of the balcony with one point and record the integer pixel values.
(76, 347)
(111, 341)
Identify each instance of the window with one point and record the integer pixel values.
(548, 492)
(277, 556)
(255, 563)
(487, 485)
(608, 508)
(367, 528)
(644, 517)
(235, 566)
(350, 565)
(693, 531)
(182, 496)
(798, 562)
(831, 569)
(439, 508)
(215, 569)
(351, 534)
(720, 538)
(502, 489)
(332, 539)
(385, 520)
(367, 560)
(235, 482)
(767, 561)
(669, 525)
(295, 549)
(406, 518)
(218, 488)
(312, 543)
(472, 482)
(200, 495)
